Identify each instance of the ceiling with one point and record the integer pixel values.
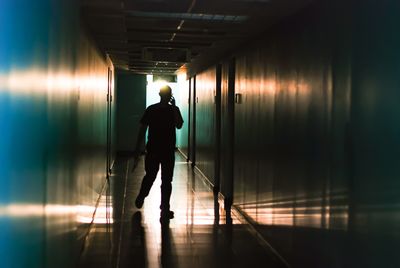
(167, 36)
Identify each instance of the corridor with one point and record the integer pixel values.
(198, 236)
(288, 155)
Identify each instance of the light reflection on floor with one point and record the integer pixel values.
(198, 236)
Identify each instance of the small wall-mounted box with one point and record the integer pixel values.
(238, 98)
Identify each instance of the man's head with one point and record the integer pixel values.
(165, 93)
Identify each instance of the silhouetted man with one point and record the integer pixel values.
(162, 119)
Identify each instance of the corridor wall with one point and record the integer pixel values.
(182, 135)
(316, 135)
(205, 122)
(227, 130)
(131, 104)
(53, 109)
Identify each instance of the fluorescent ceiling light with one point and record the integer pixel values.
(188, 16)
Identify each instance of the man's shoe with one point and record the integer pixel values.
(139, 202)
(167, 214)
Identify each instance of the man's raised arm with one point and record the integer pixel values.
(178, 118)
(177, 115)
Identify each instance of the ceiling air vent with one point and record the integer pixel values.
(158, 54)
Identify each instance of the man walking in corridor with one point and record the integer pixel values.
(161, 119)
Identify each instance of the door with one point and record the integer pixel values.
(227, 131)
(192, 120)
(109, 122)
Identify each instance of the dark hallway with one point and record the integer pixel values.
(198, 236)
(288, 155)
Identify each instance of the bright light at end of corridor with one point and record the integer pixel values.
(160, 83)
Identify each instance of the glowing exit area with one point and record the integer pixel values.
(155, 82)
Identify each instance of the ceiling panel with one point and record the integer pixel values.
(163, 36)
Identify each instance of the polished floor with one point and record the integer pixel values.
(199, 235)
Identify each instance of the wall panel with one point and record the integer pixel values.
(183, 104)
(227, 129)
(131, 104)
(205, 122)
(53, 88)
(315, 135)
(192, 119)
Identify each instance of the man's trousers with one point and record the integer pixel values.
(153, 160)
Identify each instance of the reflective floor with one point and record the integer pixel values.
(198, 236)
